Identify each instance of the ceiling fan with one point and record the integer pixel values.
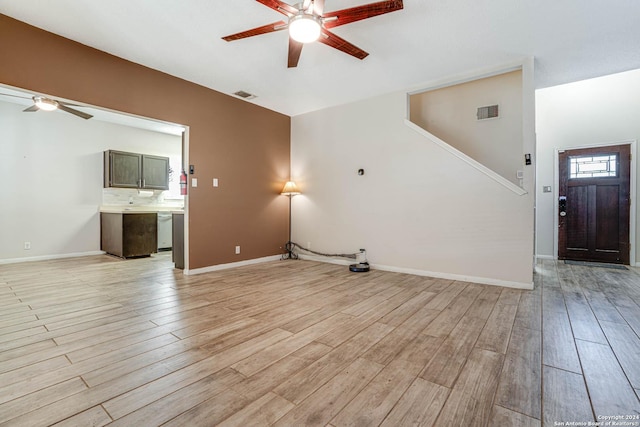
(48, 104)
(307, 22)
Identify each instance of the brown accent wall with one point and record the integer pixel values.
(243, 145)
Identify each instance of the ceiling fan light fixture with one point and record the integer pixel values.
(45, 104)
(304, 28)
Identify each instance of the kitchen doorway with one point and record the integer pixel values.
(593, 206)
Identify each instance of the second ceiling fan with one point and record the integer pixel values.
(307, 22)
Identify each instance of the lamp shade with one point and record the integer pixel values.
(304, 28)
(45, 104)
(290, 189)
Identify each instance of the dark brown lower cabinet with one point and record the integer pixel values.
(130, 234)
(178, 240)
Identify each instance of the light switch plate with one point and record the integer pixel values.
(215, 182)
(194, 182)
(546, 189)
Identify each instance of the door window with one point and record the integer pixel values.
(593, 166)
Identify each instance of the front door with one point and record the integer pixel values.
(593, 204)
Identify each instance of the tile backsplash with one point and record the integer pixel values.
(133, 197)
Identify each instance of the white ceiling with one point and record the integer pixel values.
(427, 41)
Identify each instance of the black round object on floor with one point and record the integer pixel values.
(361, 267)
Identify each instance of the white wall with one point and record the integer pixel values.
(417, 208)
(450, 114)
(51, 178)
(585, 113)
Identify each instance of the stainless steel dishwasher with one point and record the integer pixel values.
(164, 231)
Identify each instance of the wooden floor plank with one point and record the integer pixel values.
(406, 310)
(420, 350)
(584, 324)
(470, 401)
(609, 388)
(38, 399)
(386, 349)
(135, 399)
(504, 417)
(419, 406)
(177, 402)
(324, 404)
(264, 411)
(626, 346)
(375, 401)
(359, 323)
(297, 387)
(35, 370)
(94, 417)
(521, 378)
(558, 345)
(444, 323)
(557, 408)
(212, 411)
(483, 306)
(448, 361)
(497, 331)
(269, 378)
(529, 312)
(445, 297)
(270, 355)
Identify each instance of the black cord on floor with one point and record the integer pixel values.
(290, 246)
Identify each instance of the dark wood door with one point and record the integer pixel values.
(593, 207)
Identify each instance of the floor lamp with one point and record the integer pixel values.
(290, 189)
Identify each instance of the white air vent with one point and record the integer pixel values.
(488, 112)
(244, 95)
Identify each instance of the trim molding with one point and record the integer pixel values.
(551, 257)
(437, 275)
(473, 163)
(50, 257)
(231, 265)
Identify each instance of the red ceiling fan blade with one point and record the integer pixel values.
(330, 39)
(318, 7)
(279, 6)
(295, 49)
(353, 14)
(269, 28)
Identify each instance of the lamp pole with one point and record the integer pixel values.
(290, 189)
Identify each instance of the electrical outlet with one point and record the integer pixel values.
(27, 246)
(237, 250)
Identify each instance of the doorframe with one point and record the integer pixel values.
(632, 193)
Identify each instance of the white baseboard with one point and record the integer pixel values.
(551, 257)
(231, 265)
(50, 257)
(438, 275)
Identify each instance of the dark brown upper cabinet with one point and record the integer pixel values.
(133, 170)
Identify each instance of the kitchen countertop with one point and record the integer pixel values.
(140, 209)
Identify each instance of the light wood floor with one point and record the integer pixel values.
(96, 340)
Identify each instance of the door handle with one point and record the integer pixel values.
(562, 205)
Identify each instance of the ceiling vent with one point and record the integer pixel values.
(488, 112)
(244, 95)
